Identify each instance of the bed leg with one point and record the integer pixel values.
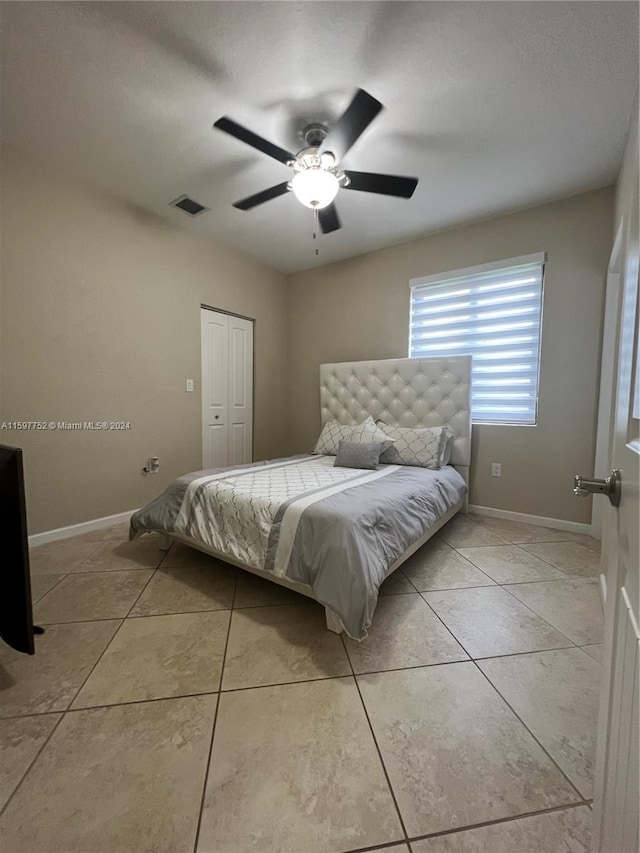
(333, 621)
(165, 542)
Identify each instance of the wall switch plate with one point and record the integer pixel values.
(496, 469)
(189, 384)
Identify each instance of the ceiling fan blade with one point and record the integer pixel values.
(259, 198)
(373, 182)
(329, 220)
(234, 129)
(357, 117)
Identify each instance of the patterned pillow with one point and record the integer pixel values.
(422, 447)
(447, 448)
(333, 433)
(331, 436)
(367, 432)
(356, 454)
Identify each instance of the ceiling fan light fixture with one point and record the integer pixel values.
(315, 187)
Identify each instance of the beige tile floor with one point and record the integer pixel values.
(178, 704)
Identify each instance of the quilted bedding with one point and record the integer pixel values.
(338, 530)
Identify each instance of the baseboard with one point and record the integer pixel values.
(540, 520)
(77, 529)
(109, 520)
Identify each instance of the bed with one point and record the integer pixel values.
(332, 533)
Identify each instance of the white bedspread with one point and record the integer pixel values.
(234, 511)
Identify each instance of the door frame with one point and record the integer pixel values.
(205, 307)
(608, 361)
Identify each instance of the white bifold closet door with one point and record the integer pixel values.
(227, 389)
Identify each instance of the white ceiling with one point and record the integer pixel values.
(492, 105)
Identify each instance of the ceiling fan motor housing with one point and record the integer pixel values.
(309, 158)
(314, 134)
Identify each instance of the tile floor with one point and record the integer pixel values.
(177, 704)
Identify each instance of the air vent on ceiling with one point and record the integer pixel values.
(189, 205)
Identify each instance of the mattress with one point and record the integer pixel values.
(337, 530)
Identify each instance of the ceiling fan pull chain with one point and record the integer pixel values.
(315, 225)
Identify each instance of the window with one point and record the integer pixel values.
(493, 313)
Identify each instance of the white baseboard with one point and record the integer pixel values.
(77, 529)
(540, 520)
(109, 520)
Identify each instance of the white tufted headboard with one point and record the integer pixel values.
(404, 391)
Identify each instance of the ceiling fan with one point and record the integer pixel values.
(316, 176)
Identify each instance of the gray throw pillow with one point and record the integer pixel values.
(354, 454)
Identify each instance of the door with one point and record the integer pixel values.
(617, 765)
(215, 383)
(240, 396)
(227, 389)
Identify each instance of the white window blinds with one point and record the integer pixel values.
(493, 313)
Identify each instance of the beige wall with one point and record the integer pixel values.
(359, 309)
(101, 321)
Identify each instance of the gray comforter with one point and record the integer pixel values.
(338, 530)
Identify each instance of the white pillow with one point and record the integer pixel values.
(333, 433)
(422, 447)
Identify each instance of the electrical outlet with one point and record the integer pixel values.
(189, 384)
(152, 466)
(496, 469)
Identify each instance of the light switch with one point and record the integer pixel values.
(189, 384)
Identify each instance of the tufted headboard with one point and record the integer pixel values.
(404, 391)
